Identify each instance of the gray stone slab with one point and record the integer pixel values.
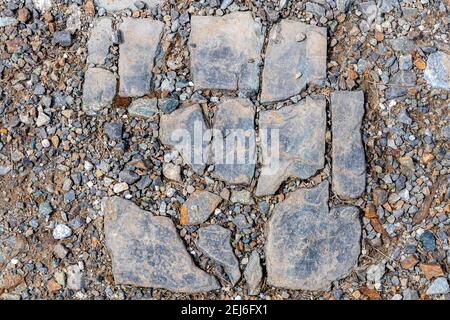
(198, 207)
(253, 274)
(292, 142)
(99, 41)
(348, 157)
(117, 5)
(225, 52)
(141, 38)
(308, 246)
(296, 56)
(99, 90)
(147, 251)
(437, 73)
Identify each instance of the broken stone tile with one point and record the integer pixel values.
(292, 142)
(199, 206)
(147, 252)
(138, 51)
(99, 41)
(184, 130)
(117, 5)
(99, 90)
(143, 108)
(253, 274)
(308, 246)
(226, 52)
(437, 73)
(234, 145)
(291, 64)
(348, 157)
(214, 242)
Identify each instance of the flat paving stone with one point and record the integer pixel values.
(348, 157)
(137, 53)
(296, 56)
(308, 246)
(117, 5)
(299, 150)
(437, 73)
(99, 41)
(143, 108)
(99, 90)
(214, 242)
(226, 51)
(198, 207)
(234, 146)
(147, 251)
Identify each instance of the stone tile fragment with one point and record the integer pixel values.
(348, 157)
(143, 108)
(226, 51)
(99, 90)
(117, 5)
(291, 63)
(437, 73)
(214, 242)
(234, 145)
(198, 207)
(99, 41)
(292, 143)
(253, 274)
(146, 250)
(138, 51)
(308, 246)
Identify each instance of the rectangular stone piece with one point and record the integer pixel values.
(296, 56)
(99, 90)
(99, 41)
(117, 5)
(225, 52)
(138, 50)
(348, 157)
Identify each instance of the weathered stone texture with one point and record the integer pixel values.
(99, 41)
(199, 206)
(117, 5)
(99, 90)
(437, 73)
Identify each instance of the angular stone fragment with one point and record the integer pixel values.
(253, 274)
(147, 251)
(348, 157)
(308, 247)
(99, 41)
(143, 108)
(290, 64)
(225, 52)
(292, 143)
(99, 90)
(214, 242)
(117, 5)
(234, 145)
(437, 73)
(184, 130)
(199, 207)
(10, 247)
(138, 50)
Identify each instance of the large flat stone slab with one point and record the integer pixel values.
(348, 157)
(99, 41)
(147, 251)
(225, 52)
(99, 90)
(308, 246)
(198, 207)
(234, 142)
(117, 5)
(292, 142)
(296, 56)
(138, 51)
(437, 73)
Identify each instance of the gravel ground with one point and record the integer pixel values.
(57, 163)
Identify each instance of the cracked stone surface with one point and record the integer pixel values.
(349, 161)
(99, 41)
(198, 207)
(138, 51)
(226, 51)
(99, 90)
(214, 242)
(308, 246)
(253, 274)
(437, 73)
(296, 56)
(235, 120)
(117, 5)
(301, 130)
(147, 251)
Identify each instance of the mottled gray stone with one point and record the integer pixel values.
(143, 108)
(10, 247)
(198, 207)
(242, 196)
(147, 251)
(308, 247)
(348, 157)
(99, 90)
(438, 286)
(301, 130)
(214, 242)
(183, 130)
(370, 10)
(343, 5)
(403, 44)
(63, 38)
(99, 41)
(253, 274)
(226, 51)
(75, 278)
(290, 64)
(437, 73)
(234, 146)
(117, 5)
(141, 38)
(7, 21)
